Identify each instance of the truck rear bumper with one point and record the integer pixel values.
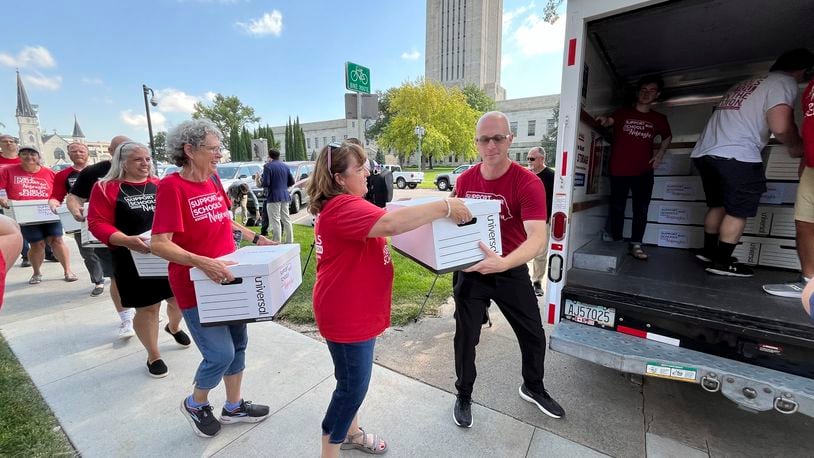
(753, 387)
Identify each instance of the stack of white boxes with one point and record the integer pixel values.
(88, 239)
(676, 213)
(69, 224)
(28, 212)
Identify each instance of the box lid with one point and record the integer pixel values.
(476, 206)
(28, 203)
(254, 260)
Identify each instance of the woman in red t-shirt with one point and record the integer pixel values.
(192, 227)
(31, 181)
(352, 252)
(120, 211)
(632, 160)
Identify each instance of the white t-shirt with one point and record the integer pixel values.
(738, 129)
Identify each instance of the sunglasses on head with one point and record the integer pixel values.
(332, 146)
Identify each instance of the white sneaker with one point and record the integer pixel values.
(126, 330)
(793, 289)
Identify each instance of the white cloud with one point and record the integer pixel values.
(92, 80)
(30, 56)
(38, 80)
(268, 24)
(506, 60)
(210, 96)
(139, 121)
(174, 101)
(411, 55)
(510, 15)
(535, 36)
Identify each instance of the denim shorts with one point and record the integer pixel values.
(223, 349)
(353, 363)
(38, 232)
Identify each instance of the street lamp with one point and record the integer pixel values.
(154, 103)
(419, 132)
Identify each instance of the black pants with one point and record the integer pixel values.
(264, 227)
(642, 188)
(514, 295)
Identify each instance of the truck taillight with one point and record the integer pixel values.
(558, 226)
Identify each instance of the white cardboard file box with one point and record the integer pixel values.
(88, 239)
(669, 235)
(783, 222)
(662, 211)
(761, 223)
(748, 250)
(443, 246)
(779, 253)
(69, 224)
(779, 193)
(29, 212)
(149, 265)
(265, 279)
(779, 165)
(675, 162)
(678, 188)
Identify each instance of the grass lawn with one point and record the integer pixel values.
(27, 426)
(410, 285)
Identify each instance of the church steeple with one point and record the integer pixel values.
(24, 107)
(77, 131)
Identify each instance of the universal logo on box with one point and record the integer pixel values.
(491, 227)
(260, 290)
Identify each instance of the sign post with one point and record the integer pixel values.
(357, 79)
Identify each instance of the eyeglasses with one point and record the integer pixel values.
(331, 147)
(212, 149)
(498, 139)
(532, 159)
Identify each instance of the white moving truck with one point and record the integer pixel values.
(666, 317)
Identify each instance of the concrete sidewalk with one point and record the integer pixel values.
(99, 389)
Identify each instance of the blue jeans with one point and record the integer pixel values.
(223, 349)
(353, 363)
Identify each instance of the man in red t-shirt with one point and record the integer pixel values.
(803, 205)
(78, 153)
(504, 279)
(8, 150)
(31, 181)
(632, 160)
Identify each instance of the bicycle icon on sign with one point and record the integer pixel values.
(358, 75)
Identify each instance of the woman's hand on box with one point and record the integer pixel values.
(3, 202)
(492, 262)
(135, 243)
(458, 211)
(263, 240)
(215, 269)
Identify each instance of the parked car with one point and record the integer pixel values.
(446, 181)
(230, 172)
(301, 171)
(404, 179)
(165, 170)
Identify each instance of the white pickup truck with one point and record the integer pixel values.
(404, 179)
(446, 181)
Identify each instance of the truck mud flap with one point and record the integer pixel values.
(752, 387)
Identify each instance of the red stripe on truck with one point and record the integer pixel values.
(631, 332)
(572, 51)
(564, 163)
(551, 308)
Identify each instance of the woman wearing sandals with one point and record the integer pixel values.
(350, 245)
(121, 209)
(30, 181)
(632, 160)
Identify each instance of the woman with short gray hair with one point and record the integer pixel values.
(193, 228)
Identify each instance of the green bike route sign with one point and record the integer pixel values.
(357, 78)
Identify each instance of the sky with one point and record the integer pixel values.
(90, 58)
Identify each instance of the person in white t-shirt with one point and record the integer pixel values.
(727, 154)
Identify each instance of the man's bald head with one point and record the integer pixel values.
(116, 141)
(497, 115)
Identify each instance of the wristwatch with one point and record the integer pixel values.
(256, 239)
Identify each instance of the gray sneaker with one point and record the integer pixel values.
(793, 290)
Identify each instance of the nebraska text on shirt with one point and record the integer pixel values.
(208, 206)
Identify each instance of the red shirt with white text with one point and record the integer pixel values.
(808, 123)
(197, 216)
(633, 135)
(22, 185)
(522, 197)
(346, 307)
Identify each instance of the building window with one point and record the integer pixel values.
(333, 138)
(316, 142)
(59, 154)
(532, 128)
(513, 127)
(353, 124)
(308, 141)
(550, 125)
(517, 155)
(324, 140)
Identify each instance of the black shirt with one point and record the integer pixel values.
(547, 176)
(88, 177)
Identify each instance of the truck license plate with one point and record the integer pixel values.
(589, 314)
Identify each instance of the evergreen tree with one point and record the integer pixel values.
(380, 156)
(234, 146)
(246, 144)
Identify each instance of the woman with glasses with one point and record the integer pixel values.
(28, 180)
(351, 247)
(632, 160)
(121, 209)
(192, 228)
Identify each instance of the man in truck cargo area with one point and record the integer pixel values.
(504, 279)
(727, 154)
(803, 205)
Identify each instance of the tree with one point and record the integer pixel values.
(160, 144)
(549, 141)
(228, 113)
(477, 98)
(385, 115)
(380, 156)
(448, 120)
